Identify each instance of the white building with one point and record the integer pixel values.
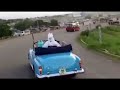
(87, 22)
(77, 14)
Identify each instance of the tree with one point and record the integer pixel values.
(88, 17)
(5, 30)
(54, 22)
(22, 25)
(100, 15)
(2, 21)
(38, 23)
(46, 24)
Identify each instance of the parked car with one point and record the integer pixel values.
(52, 28)
(56, 27)
(18, 33)
(111, 22)
(44, 29)
(54, 61)
(26, 32)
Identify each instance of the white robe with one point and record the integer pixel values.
(51, 41)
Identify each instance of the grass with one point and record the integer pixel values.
(110, 39)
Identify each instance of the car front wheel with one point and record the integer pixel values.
(73, 30)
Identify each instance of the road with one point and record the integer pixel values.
(14, 63)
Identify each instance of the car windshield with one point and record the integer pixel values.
(69, 25)
(26, 31)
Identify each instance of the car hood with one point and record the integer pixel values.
(56, 61)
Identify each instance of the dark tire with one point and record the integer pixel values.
(73, 30)
(72, 75)
(34, 72)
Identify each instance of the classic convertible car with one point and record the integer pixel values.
(54, 61)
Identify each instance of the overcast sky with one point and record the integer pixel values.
(14, 15)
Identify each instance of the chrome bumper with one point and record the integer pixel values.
(57, 74)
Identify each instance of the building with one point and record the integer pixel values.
(87, 22)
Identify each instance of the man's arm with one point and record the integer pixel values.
(57, 44)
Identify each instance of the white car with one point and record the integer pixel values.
(26, 32)
(21, 33)
(18, 33)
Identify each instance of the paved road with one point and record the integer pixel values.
(14, 63)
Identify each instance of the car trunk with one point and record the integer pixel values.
(54, 62)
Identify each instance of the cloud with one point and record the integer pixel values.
(14, 15)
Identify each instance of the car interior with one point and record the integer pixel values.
(63, 43)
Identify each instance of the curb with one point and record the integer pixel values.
(107, 52)
(83, 41)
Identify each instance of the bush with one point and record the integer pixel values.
(85, 33)
(98, 26)
(108, 28)
(117, 43)
(54, 22)
(5, 30)
(105, 45)
(93, 46)
(117, 52)
(113, 28)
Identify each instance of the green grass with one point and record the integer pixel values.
(110, 39)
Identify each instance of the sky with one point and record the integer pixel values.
(15, 15)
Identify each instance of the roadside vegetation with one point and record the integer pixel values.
(5, 31)
(110, 39)
(25, 24)
(21, 24)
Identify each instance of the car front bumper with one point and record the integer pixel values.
(57, 74)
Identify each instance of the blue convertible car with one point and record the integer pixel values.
(54, 61)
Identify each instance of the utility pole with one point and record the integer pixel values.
(37, 24)
(100, 34)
